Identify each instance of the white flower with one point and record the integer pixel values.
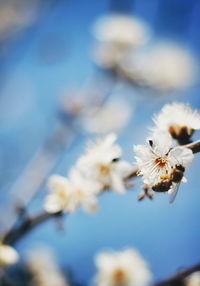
(193, 279)
(101, 163)
(110, 117)
(60, 194)
(84, 192)
(8, 255)
(68, 194)
(41, 264)
(125, 268)
(157, 158)
(120, 29)
(179, 119)
(162, 67)
(116, 35)
(107, 55)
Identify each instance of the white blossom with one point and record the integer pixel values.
(8, 255)
(69, 193)
(179, 119)
(84, 192)
(120, 29)
(113, 116)
(60, 194)
(164, 66)
(125, 268)
(44, 269)
(101, 163)
(158, 157)
(193, 279)
(116, 35)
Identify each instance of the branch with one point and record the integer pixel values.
(27, 224)
(194, 146)
(177, 278)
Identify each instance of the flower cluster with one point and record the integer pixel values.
(98, 169)
(125, 268)
(161, 164)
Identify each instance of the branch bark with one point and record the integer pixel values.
(25, 226)
(194, 146)
(178, 278)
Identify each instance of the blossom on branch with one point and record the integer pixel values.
(8, 255)
(116, 35)
(121, 30)
(124, 268)
(193, 279)
(43, 268)
(179, 119)
(101, 163)
(159, 160)
(69, 193)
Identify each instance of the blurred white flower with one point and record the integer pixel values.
(117, 33)
(179, 119)
(101, 163)
(16, 15)
(60, 194)
(44, 269)
(125, 268)
(158, 157)
(113, 116)
(107, 55)
(163, 67)
(84, 192)
(68, 194)
(121, 29)
(193, 279)
(8, 255)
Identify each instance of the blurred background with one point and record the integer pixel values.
(60, 84)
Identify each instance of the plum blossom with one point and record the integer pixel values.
(179, 119)
(124, 268)
(163, 67)
(99, 120)
(158, 157)
(8, 255)
(101, 163)
(69, 193)
(41, 264)
(193, 279)
(120, 29)
(116, 35)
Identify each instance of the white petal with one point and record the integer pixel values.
(8, 255)
(117, 183)
(181, 155)
(53, 203)
(162, 142)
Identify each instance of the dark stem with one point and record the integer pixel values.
(194, 146)
(27, 224)
(177, 278)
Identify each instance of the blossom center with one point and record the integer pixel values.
(104, 169)
(161, 162)
(119, 276)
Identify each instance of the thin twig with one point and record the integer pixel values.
(27, 224)
(177, 278)
(194, 146)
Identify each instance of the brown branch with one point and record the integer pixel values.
(25, 226)
(178, 278)
(194, 146)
